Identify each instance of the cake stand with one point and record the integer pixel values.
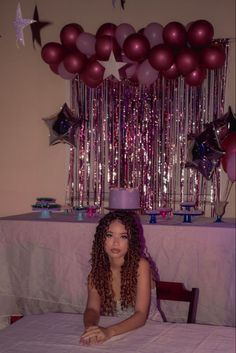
(153, 216)
(188, 215)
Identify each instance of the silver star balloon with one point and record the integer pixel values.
(112, 67)
(19, 24)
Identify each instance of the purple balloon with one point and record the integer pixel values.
(146, 74)
(69, 34)
(200, 33)
(52, 53)
(75, 62)
(196, 77)
(105, 45)
(213, 57)
(107, 29)
(64, 73)
(153, 32)
(122, 32)
(172, 72)
(86, 43)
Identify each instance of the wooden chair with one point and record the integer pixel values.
(175, 291)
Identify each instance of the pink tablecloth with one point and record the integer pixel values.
(44, 264)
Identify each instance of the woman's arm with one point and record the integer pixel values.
(142, 304)
(92, 311)
(97, 334)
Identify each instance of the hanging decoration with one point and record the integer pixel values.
(36, 27)
(19, 24)
(173, 51)
(62, 127)
(137, 136)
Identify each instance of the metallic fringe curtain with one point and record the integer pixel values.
(134, 136)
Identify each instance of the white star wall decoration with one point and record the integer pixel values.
(19, 24)
(112, 67)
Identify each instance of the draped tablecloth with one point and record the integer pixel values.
(44, 264)
(59, 333)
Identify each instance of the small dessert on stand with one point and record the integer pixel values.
(187, 211)
(163, 211)
(46, 205)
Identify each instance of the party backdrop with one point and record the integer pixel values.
(131, 135)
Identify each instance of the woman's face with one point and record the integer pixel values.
(116, 240)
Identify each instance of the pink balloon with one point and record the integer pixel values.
(75, 62)
(52, 53)
(196, 77)
(122, 32)
(231, 166)
(105, 45)
(187, 60)
(213, 56)
(64, 73)
(161, 57)
(86, 43)
(172, 72)
(200, 33)
(153, 32)
(146, 74)
(107, 29)
(175, 34)
(69, 35)
(136, 47)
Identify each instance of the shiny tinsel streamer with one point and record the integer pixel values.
(136, 136)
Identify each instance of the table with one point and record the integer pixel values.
(44, 264)
(59, 333)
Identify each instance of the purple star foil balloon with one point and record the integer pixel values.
(19, 24)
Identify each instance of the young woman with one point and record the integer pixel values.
(119, 283)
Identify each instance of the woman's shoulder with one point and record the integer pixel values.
(144, 264)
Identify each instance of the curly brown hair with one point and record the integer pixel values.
(101, 276)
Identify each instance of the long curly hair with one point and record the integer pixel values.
(101, 275)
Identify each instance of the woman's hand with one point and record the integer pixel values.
(95, 335)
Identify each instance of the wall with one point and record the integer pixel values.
(29, 167)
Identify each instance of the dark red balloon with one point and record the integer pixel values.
(196, 77)
(187, 60)
(200, 33)
(105, 45)
(229, 146)
(75, 62)
(213, 56)
(54, 68)
(175, 34)
(52, 53)
(161, 57)
(69, 35)
(172, 72)
(136, 47)
(107, 29)
(94, 70)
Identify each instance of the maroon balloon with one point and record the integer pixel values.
(175, 34)
(161, 57)
(229, 146)
(69, 35)
(136, 47)
(75, 62)
(200, 33)
(52, 53)
(105, 45)
(107, 29)
(187, 60)
(196, 77)
(94, 70)
(172, 72)
(54, 68)
(213, 57)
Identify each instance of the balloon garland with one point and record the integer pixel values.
(173, 50)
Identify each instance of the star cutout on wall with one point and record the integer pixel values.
(112, 67)
(36, 27)
(19, 24)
